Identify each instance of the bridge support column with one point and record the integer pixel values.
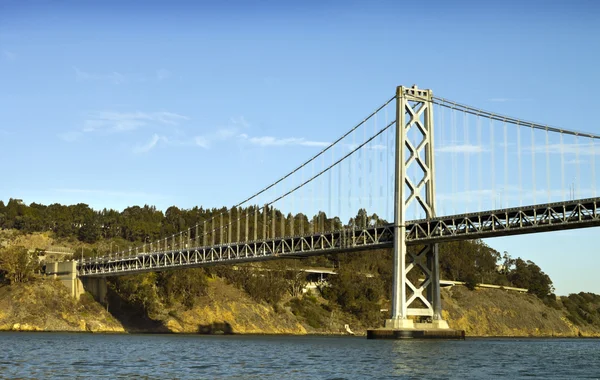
(416, 300)
(97, 287)
(66, 272)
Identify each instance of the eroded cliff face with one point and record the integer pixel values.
(496, 312)
(45, 305)
(226, 309)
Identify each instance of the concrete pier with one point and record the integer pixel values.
(66, 272)
(415, 333)
(96, 286)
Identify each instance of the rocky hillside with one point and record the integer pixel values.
(45, 305)
(226, 309)
(495, 312)
(198, 301)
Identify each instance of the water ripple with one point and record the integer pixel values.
(56, 355)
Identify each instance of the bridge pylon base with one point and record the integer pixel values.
(397, 323)
(415, 333)
(398, 328)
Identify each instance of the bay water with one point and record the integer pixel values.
(150, 356)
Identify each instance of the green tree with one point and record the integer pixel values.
(17, 264)
(90, 231)
(183, 286)
(526, 274)
(357, 290)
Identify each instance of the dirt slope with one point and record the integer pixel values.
(495, 312)
(45, 305)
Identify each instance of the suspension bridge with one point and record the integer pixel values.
(486, 175)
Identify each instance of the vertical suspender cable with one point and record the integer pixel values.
(372, 181)
(493, 159)
(247, 225)
(388, 150)
(467, 164)
(578, 172)
(323, 196)
(479, 165)
(519, 168)
(533, 173)
(331, 174)
(548, 188)
(562, 167)
(360, 179)
(273, 221)
(339, 202)
(302, 206)
(454, 172)
(313, 210)
(505, 192)
(364, 174)
(293, 208)
(350, 177)
(380, 174)
(442, 127)
(593, 165)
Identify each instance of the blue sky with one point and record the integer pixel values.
(202, 103)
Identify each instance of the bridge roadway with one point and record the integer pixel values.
(503, 222)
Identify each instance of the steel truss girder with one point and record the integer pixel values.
(503, 222)
(513, 221)
(287, 247)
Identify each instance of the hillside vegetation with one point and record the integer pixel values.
(228, 298)
(44, 304)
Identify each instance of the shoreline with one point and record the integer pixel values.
(499, 337)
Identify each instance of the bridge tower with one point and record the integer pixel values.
(414, 110)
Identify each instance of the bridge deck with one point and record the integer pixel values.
(503, 222)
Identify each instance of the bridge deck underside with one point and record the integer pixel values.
(514, 221)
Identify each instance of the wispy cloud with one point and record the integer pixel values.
(504, 100)
(162, 74)
(108, 122)
(240, 121)
(127, 121)
(236, 131)
(149, 145)
(9, 55)
(70, 136)
(117, 78)
(100, 192)
(464, 148)
(583, 149)
(113, 77)
(233, 131)
(202, 142)
(274, 141)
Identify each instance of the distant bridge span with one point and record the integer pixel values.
(503, 222)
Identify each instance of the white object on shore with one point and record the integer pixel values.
(347, 327)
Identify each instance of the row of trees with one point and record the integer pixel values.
(147, 224)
